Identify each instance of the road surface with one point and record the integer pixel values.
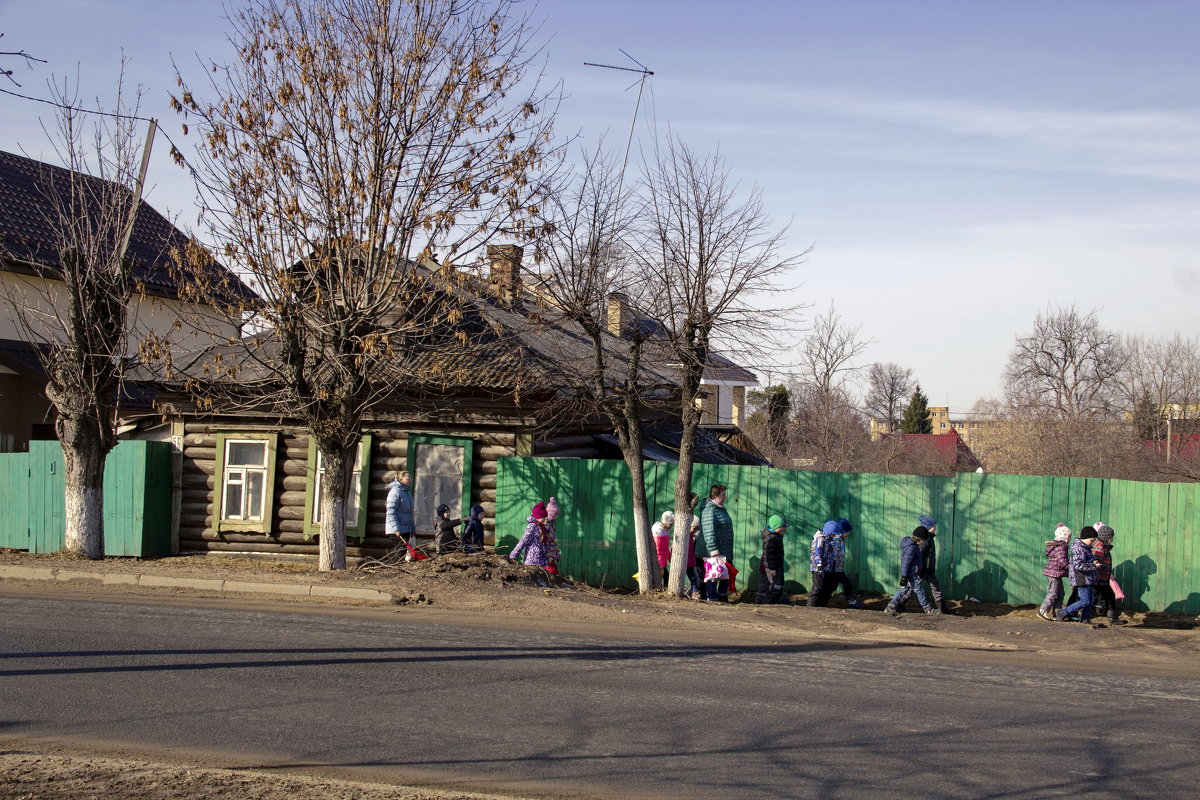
(392, 696)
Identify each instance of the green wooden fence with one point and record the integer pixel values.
(991, 528)
(137, 499)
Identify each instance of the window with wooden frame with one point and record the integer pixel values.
(245, 481)
(441, 472)
(356, 493)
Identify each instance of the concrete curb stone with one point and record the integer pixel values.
(217, 585)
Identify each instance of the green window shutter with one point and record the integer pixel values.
(358, 530)
(232, 509)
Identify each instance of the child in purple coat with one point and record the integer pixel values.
(539, 542)
(1055, 571)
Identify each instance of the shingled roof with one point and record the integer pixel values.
(33, 194)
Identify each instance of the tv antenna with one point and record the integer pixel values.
(641, 84)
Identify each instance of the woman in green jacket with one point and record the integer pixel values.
(716, 539)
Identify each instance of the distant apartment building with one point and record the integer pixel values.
(965, 425)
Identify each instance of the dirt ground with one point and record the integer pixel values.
(492, 590)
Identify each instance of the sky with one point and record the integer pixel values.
(956, 168)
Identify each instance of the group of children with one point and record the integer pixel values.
(1086, 561)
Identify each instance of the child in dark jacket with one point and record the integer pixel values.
(1055, 571)
(472, 536)
(446, 539)
(912, 564)
(1081, 569)
(770, 581)
(1106, 598)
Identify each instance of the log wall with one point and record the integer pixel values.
(389, 451)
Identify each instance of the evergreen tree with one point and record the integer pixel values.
(917, 418)
(779, 410)
(1148, 419)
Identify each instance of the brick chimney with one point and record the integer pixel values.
(619, 313)
(505, 269)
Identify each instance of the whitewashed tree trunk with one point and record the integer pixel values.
(83, 475)
(333, 509)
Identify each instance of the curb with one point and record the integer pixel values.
(217, 585)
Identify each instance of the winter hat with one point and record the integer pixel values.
(831, 528)
(552, 508)
(1062, 533)
(539, 510)
(1104, 533)
(477, 512)
(927, 522)
(845, 525)
(668, 518)
(443, 509)
(920, 532)
(1087, 532)
(776, 522)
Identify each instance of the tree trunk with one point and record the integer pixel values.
(649, 575)
(83, 474)
(677, 578)
(334, 483)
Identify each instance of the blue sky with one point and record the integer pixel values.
(957, 167)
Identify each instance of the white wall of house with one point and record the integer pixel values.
(46, 300)
(725, 403)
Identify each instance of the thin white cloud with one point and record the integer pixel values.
(1152, 143)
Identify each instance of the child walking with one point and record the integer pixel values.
(1106, 598)
(770, 581)
(912, 564)
(1081, 568)
(472, 536)
(539, 542)
(446, 540)
(1055, 571)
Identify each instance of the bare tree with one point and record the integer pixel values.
(8, 73)
(708, 252)
(829, 352)
(76, 303)
(828, 431)
(591, 276)
(888, 387)
(349, 143)
(1066, 367)
(1160, 384)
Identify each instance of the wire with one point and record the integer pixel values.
(77, 108)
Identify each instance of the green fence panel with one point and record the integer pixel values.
(137, 499)
(47, 513)
(14, 496)
(992, 529)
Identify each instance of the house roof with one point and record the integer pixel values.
(509, 346)
(33, 196)
(22, 358)
(948, 448)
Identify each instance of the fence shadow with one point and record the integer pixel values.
(989, 578)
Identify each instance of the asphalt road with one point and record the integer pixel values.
(388, 696)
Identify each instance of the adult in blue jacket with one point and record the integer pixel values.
(715, 539)
(400, 509)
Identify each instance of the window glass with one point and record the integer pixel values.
(351, 490)
(245, 454)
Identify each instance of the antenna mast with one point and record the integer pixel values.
(641, 82)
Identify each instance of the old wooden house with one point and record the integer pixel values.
(250, 482)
